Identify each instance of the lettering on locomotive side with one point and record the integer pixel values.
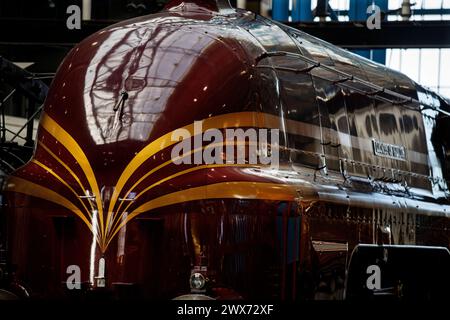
(387, 150)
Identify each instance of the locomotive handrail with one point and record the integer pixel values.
(304, 70)
(402, 99)
(342, 83)
(87, 197)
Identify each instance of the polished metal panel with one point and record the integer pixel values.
(297, 100)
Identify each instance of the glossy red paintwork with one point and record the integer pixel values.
(193, 62)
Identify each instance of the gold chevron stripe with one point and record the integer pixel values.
(20, 185)
(219, 144)
(177, 175)
(239, 189)
(135, 185)
(43, 166)
(226, 190)
(241, 119)
(68, 169)
(223, 121)
(72, 146)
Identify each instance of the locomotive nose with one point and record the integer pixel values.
(104, 138)
(103, 153)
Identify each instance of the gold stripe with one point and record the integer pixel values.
(219, 144)
(68, 169)
(135, 185)
(43, 166)
(233, 190)
(72, 146)
(177, 175)
(32, 189)
(241, 119)
(67, 185)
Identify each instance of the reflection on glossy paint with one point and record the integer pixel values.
(189, 64)
(148, 65)
(121, 241)
(92, 257)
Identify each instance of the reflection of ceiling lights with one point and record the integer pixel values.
(23, 65)
(136, 7)
(51, 4)
(131, 6)
(141, 6)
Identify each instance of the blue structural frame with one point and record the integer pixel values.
(301, 10)
(280, 10)
(358, 12)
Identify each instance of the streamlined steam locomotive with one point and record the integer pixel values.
(357, 207)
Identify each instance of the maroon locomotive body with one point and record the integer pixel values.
(103, 209)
